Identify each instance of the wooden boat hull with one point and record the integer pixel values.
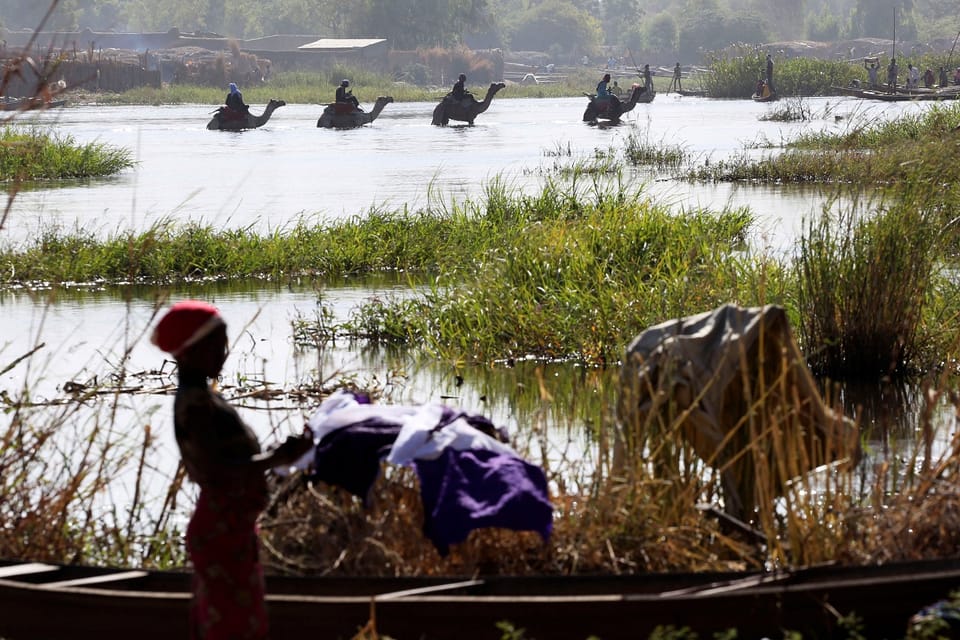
(900, 95)
(79, 603)
(28, 104)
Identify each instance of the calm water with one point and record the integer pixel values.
(270, 177)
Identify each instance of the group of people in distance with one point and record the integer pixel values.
(930, 79)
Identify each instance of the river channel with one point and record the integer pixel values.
(266, 179)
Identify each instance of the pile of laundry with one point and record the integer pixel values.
(470, 478)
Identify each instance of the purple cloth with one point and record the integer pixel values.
(471, 489)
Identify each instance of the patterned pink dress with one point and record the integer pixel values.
(228, 592)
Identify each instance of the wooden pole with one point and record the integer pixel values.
(952, 48)
(894, 55)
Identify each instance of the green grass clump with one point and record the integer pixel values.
(734, 74)
(864, 279)
(30, 154)
(935, 123)
(169, 253)
(564, 277)
(640, 150)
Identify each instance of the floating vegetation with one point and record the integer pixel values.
(639, 150)
(788, 110)
(31, 154)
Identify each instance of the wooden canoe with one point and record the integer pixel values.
(40, 600)
(900, 95)
(28, 104)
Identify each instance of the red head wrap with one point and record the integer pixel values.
(185, 324)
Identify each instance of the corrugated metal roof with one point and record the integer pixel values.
(342, 43)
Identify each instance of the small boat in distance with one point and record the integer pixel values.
(30, 103)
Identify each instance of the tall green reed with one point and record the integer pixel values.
(864, 277)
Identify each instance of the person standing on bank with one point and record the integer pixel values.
(675, 84)
(872, 75)
(221, 454)
(647, 78)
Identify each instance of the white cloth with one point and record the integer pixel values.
(341, 409)
(417, 439)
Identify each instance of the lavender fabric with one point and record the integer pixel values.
(475, 488)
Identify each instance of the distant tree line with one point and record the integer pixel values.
(685, 29)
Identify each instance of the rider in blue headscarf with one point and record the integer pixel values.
(235, 99)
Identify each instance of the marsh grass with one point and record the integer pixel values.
(910, 152)
(28, 153)
(564, 273)
(935, 123)
(568, 275)
(865, 276)
(641, 150)
(794, 109)
(735, 71)
(169, 253)
(59, 462)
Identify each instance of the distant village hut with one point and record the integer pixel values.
(362, 52)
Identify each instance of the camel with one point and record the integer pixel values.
(344, 116)
(464, 111)
(224, 121)
(605, 109)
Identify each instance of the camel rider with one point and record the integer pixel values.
(603, 91)
(459, 92)
(344, 95)
(235, 100)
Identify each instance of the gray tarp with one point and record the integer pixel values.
(735, 386)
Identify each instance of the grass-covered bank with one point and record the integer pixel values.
(31, 154)
(318, 88)
(911, 150)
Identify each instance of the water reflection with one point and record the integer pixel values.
(268, 177)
